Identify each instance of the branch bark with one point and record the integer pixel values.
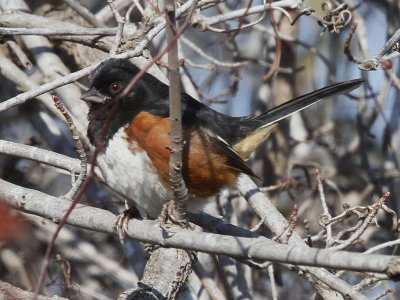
(38, 203)
(10, 292)
(176, 135)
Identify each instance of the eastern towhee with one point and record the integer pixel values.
(134, 158)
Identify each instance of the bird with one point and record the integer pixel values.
(132, 135)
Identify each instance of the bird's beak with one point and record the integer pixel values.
(93, 95)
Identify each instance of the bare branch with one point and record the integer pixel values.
(10, 292)
(372, 63)
(79, 149)
(58, 31)
(121, 24)
(84, 12)
(176, 133)
(47, 157)
(324, 207)
(209, 21)
(85, 217)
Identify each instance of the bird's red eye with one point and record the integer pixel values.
(115, 87)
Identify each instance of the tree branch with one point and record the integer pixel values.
(175, 114)
(91, 218)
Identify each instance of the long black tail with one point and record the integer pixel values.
(297, 104)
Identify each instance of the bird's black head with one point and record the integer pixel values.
(109, 79)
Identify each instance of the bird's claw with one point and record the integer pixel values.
(121, 222)
(170, 216)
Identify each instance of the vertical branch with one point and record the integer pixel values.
(121, 23)
(175, 164)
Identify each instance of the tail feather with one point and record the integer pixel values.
(265, 123)
(302, 102)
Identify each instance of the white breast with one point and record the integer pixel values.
(131, 174)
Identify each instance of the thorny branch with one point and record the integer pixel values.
(70, 195)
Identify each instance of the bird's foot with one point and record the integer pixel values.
(120, 223)
(171, 216)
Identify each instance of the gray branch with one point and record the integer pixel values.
(10, 292)
(274, 220)
(38, 203)
(373, 62)
(84, 12)
(57, 31)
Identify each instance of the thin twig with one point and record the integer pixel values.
(215, 61)
(347, 42)
(273, 283)
(383, 294)
(79, 149)
(373, 62)
(138, 6)
(121, 23)
(105, 14)
(242, 19)
(309, 241)
(19, 53)
(24, 83)
(80, 182)
(368, 220)
(209, 21)
(278, 45)
(84, 12)
(209, 284)
(324, 207)
(383, 245)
